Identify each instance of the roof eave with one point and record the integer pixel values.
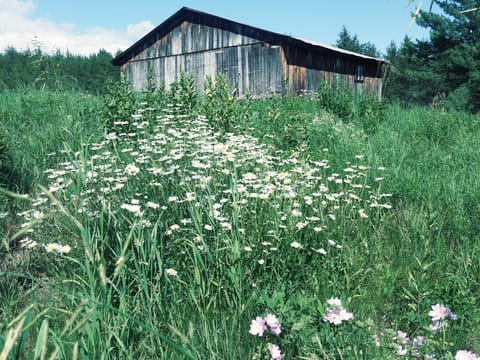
(188, 14)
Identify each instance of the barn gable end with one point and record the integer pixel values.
(252, 59)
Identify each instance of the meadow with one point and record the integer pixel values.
(173, 225)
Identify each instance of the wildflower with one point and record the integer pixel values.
(273, 324)
(401, 351)
(402, 337)
(186, 221)
(258, 326)
(131, 169)
(145, 223)
(111, 136)
(152, 205)
(300, 225)
(65, 249)
(28, 243)
(362, 214)
(51, 247)
(296, 213)
(275, 353)
(336, 302)
(171, 272)
(320, 251)
(336, 314)
(465, 355)
(189, 196)
(296, 245)
(174, 227)
(225, 225)
(417, 343)
(131, 208)
(38, 215)
(440, 312)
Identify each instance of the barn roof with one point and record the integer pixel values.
(198, 17)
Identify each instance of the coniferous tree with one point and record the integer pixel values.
(350, 42)
(453, 51)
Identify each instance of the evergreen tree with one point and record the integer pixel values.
(452, 52)
(351, 43)
(392, 52)
(348, 42)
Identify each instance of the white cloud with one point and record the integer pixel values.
(17, 6)
(136, 31)
(21, 29)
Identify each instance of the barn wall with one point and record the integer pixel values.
(207, 51)
(307, 68)
(247, 63)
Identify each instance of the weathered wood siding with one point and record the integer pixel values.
(263, 62)
(308, 67)
(207, 51)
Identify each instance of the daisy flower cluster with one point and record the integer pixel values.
(175, 169)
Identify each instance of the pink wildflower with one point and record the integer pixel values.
(465, 355)
(258, 326)
(275, 353)
(273, 324)
(440, 312)
(336, 314)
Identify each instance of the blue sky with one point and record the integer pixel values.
(85, 26)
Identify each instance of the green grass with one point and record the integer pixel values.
(176, 234)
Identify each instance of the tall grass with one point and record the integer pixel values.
(40, 125)
(164, 233)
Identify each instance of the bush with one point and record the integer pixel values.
(370, 112)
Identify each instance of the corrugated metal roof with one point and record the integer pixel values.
(343, 51)
(187, 14)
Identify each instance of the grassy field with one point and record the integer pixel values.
(175, 226)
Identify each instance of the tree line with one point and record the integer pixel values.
(56, 72)
(445, 69)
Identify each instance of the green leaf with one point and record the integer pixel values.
(41, 345)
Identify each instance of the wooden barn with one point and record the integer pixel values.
(261, 61)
